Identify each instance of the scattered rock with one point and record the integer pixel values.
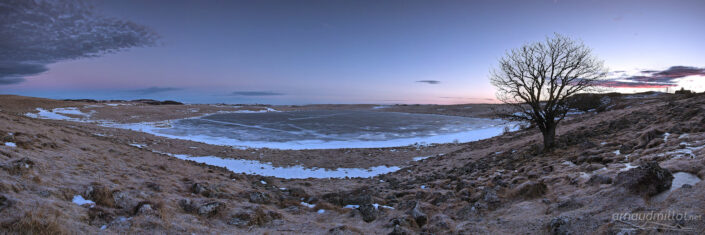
(153, 186)
(187, 205)
(19, 166)
(559, 226)
(369, 213)
(343, 230)
(198, 188)
(236, 221)
(297, 192)
(4, 202)
(440, 223)
(626, 148)
(646, 137)
(99, 216)
(146, 208)
(568, 205)
(259, 198)
(592, 167)
(530, 189)
(211, 208)
(490, 197)
(348, 198)
(123, 200)
(398, 230)
(599, 179)
(646, 180)
(419, 217)
(258, 217)
(121, 223)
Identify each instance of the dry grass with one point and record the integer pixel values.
(329, 207)
(101, 195)
(37, 222)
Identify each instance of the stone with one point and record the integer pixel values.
(398, 230)
(646, 180)
(530, 189)
(368, 212)
(123, 200)
(418, 215)
(5, 202)
(599, 179)
(559, 226)
(211, 208)
(19, 166)
(259, 198)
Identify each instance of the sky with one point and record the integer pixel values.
(304, 52)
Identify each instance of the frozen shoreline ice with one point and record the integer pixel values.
(293, 172)
(156, 128)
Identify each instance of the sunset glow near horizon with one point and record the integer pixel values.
(373, 52)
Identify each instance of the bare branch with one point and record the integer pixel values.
(537, 79)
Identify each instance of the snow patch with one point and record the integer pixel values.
(79, 200)
(308, 205)
(10, 144)
(416, 159)
(59, 114)
(294, 172)
(628, 166)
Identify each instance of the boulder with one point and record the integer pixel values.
(123, 200)
(559, 226)
(4, 202)
(210, 208)
(259, 198)
(419, 217)
(599, 179)
(368, 212)
(198, 188)
(146, 208)
(646, 180)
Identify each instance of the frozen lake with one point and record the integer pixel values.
(329, 129)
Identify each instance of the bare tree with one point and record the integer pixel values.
(536, 80)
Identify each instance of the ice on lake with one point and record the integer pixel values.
(328, 129)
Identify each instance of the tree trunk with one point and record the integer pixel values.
(549, 137)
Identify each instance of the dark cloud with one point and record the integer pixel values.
(680, 71)
(36, 33)
(622, 84)
(152, 90)
(12, 73)
(429, 81)
(654, 78)
(255, 93)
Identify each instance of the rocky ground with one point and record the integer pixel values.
(643, 155)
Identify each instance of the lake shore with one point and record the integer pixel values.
(503, 184)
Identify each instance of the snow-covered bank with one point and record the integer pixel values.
(294, 172)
